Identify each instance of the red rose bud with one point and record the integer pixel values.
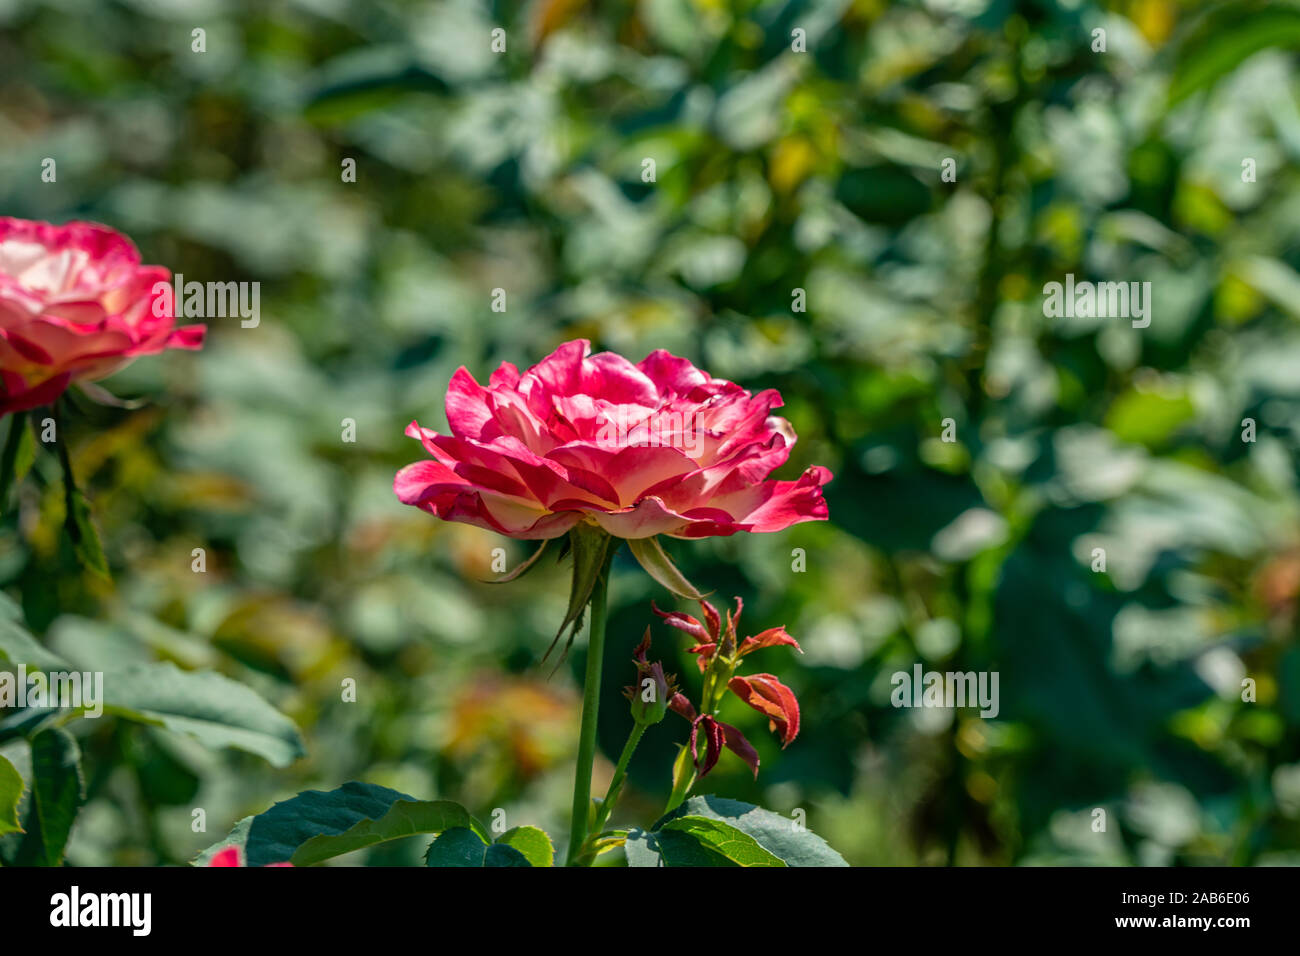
(650, 696)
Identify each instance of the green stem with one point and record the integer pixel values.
(69, 479)
(590, 710)
(9, 458)
(615, 788)
(683, 779)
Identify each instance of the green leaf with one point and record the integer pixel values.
(214, 709)
(208, 706)
(1149, 418)
(650, 555)
(17, 646)
(642, 848)
(459, 846)
(404, 818)
(590, 545)
(354, 816)
(499, 854)
(24, 722)
(102, 396)
(523, 568)
(734, 844)
(57, 792)
(11, 791)
(358, 82)
(274, 836)
(533, 843)
(1225, 41)
(784, 838)
(237, 837)
(682, 849)
(85, 539)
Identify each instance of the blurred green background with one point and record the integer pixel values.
(776, 170)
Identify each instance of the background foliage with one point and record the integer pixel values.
(775, 171)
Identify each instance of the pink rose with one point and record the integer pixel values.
(231, 856)
(659, 447)
(76, 305)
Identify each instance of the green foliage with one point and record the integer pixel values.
(462, 847)
(650, 555)
(53, 800)
(216, 710)
(713, 831)
(11, 790)
(403, 818)
(532, 843)
(316, 825)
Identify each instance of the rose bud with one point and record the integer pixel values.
(650, 695)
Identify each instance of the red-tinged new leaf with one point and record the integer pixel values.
(678, 704)
(714, 622)
(712, 744)
(642, 649)
(739, 746)
(733, 620)
(706, 653)
(683, 622)
(769, 696)
(769, 638)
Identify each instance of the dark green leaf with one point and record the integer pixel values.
(354, 816)
(404, 818)
(57, 791)
(459, 846)
(498, 854)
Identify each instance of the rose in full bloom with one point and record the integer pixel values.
(76, 305)
(656, 447)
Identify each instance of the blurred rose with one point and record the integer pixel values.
(516, 726)
(76, 305)
(654, 448)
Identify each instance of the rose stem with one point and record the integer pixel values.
(615, 785)
(590, 708)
